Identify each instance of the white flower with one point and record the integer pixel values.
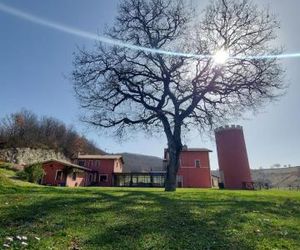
(37, 238)
(24, 243)
(24, 238)
(19, 237)
(10, 238)
(6, 245)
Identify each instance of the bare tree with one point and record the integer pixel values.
(25, 129)
(123, 88)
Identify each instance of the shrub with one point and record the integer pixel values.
(5, 181)
(22, 175)
(6, 165)
(32, 173)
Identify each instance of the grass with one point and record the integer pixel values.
(141, 218)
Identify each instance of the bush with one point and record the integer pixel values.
(22, 175)
(6, 165)
(5, 181)
(32, 173)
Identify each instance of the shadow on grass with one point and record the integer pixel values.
(135, 219)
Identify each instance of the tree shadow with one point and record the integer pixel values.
(187, 223)
(150, 219)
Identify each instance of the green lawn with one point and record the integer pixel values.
(141, 218)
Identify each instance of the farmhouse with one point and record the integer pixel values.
(194, 170)
(108, 170)
(63, 173)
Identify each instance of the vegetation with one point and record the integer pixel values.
(32, 173)
(25, 129)
(5, 181)
(143, 218)
(6, 165)
(185, 68)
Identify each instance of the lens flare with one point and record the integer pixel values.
(92, 36)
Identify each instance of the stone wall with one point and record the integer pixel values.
(29, 155)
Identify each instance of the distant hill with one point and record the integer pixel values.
(141, 163)
(276, 177)
(280, 177)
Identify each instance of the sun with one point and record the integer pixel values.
(221, 56)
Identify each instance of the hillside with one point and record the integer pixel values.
(141, 163)
(26, 130)
(279, 177)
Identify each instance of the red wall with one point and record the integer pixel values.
(79, 181)
(195, 176)
(50, 174)
(232, 157)
(49, 177)
(105, 167)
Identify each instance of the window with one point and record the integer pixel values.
(158, 180)
(81, 163)
(74, 176)
(97, 163)
(59, 175)
(197, 163)
(103, 178)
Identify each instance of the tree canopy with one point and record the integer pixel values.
(122, 88)
(25, 129)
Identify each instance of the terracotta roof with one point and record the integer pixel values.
(99, 157)
(66, 163)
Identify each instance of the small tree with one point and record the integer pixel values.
(123, 88)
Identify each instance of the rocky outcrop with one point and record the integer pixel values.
(29, 155)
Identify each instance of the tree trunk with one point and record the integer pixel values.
(174, 149)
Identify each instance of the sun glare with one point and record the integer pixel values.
(221, 56)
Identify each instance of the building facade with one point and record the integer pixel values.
(103, 168)
(194, 169)
(108, 170)
(63, 173)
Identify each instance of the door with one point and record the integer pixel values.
(179, 180)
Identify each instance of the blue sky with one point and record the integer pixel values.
(35, 63)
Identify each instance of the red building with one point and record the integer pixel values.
(62, 173)
(87, 170)
(194, 170)
(109, 170)
(233, 159)
(103, 167)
